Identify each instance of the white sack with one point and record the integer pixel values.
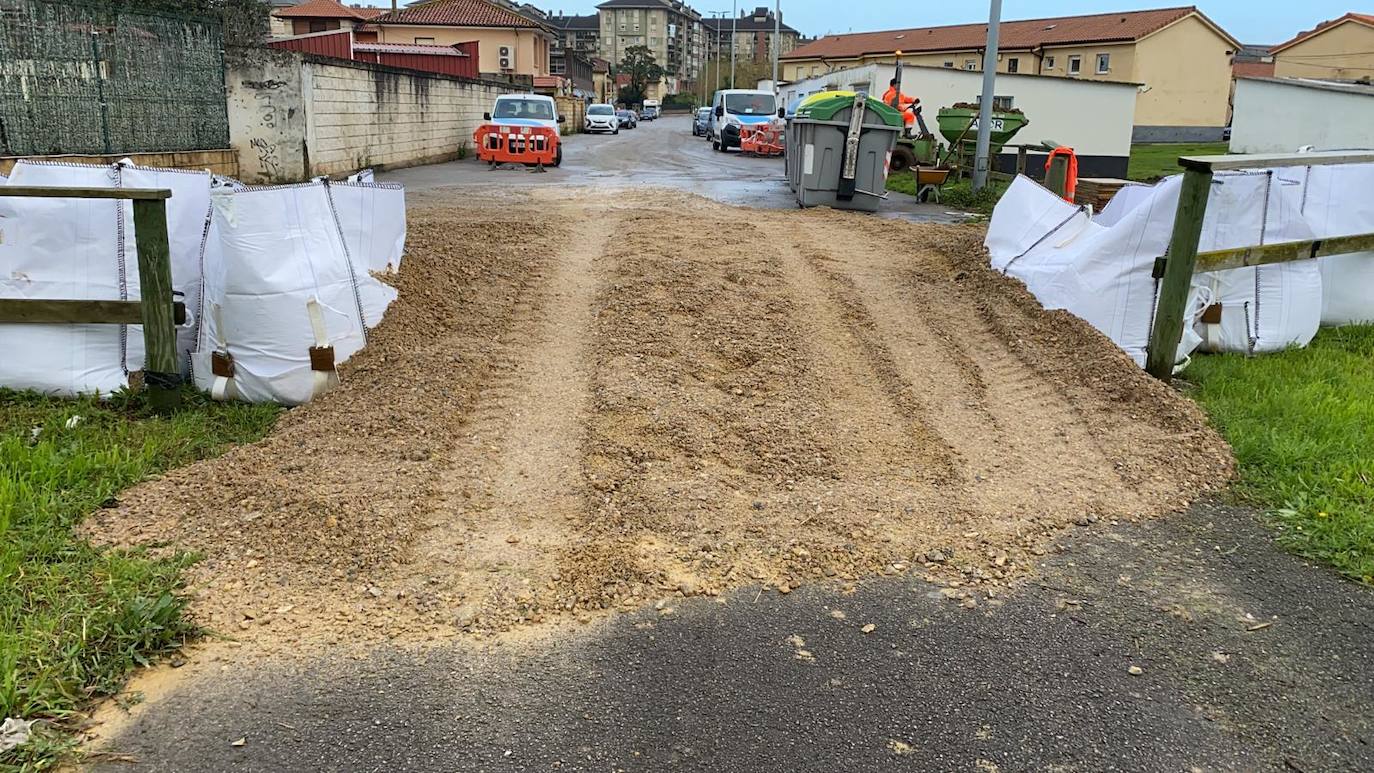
(373, 218)
(1336, 202)
(1126, 199)
(281, 249)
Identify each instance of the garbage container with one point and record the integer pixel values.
(816, 159)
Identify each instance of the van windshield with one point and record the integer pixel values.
(533, 109)
(750, 104)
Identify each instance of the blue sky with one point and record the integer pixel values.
(1252, 21)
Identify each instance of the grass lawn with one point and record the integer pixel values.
(956, 195)
(1149, 162)
(75, 619)
(1302, 425)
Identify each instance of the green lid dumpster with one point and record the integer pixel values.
(838, 147)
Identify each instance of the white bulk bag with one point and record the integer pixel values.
(1336, 203)
(373, 218)
(281, 259)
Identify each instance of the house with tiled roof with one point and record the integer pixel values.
(1181, 58)
(511, 45)
(320, 16)
(1340, 49)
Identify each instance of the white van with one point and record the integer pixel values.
(525, 110)
(733, 108)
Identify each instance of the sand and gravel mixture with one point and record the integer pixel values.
(598, 400)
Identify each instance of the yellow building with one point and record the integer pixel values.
(1340, 49)
(509, 44)
(1181, 58)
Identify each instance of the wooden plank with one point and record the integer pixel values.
(1220, 260)
(161, 370)
(1225, 163)
(42, 311)
(1178, 274)
(50, 192)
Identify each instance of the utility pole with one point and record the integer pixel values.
(981, 162)
(777, 42)
(734, 27)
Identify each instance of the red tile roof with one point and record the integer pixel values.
(1253, 69)
(457, 13)
(406, 48)
(1361, 18)
(1015, 35)
(326, 9)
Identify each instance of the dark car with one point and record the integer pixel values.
(701, 122)
(628, 119)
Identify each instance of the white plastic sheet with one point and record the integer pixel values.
(282, 252)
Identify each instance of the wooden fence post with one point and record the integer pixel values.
(1057, 176)
(1178, 272)
(161, 371)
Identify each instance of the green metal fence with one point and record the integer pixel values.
(92, 80)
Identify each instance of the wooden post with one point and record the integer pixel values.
(162, 372)
(1057, 176)
(1022, 155)
(1178, 273)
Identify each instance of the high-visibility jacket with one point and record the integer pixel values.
(902, 103)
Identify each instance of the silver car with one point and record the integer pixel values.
(601, 118)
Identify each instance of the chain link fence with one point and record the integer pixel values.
(92, 80)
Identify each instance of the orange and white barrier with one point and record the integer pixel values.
(761, 140)
(497, 144)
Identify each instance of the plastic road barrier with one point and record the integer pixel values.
(499, 144)
(761, 140)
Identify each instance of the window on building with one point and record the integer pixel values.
(1014, 65)
(1075, 65)
(1104, 64)
(949, 64)
(319, 25)
(424, 41)
(1049, 62)
(970, 64)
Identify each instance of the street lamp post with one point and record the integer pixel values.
(734, 28)
(981, 162)
(777, 41)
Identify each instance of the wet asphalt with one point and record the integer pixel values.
(1249, 659)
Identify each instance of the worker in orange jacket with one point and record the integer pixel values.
(907, 105)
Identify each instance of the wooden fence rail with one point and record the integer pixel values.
(1184, 260)
(155, 311)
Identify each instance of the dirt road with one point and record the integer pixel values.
(594, 414)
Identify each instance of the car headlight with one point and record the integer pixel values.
(732, 121)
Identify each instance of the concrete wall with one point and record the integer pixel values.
(223, 162)
(294, 116)
(1278, 117)
(1342, 52)
(1093, 117)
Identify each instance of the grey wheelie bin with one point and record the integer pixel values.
(838, 147)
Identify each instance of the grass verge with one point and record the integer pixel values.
(76, 619)
(1302, 425)
(1151, 161)
(956, 195)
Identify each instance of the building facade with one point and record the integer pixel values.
(511, 45)
(1180, 58)
(752, 35)
(671, 30)
(1341, 49)
(318, 16)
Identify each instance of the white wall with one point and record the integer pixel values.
(1093, 117)
(1276, 117)
(292, 117)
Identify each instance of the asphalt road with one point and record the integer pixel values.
(1249, 660)
(660, 153)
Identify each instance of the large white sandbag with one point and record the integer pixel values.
(1336, 203)
(373, 218)
(281, 259)
(1126, 199)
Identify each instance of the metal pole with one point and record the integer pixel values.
(777, 41)
(981, 162)
(734, 28)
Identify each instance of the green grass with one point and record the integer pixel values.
(1302, 425)
(955, 195)
(76, 619)
(1149, 162)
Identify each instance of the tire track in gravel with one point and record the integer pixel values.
(516, 489)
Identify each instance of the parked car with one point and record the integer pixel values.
(733, 108)
(628, 119)
(701, 122)
(601, 118)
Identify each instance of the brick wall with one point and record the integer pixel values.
(295, 116)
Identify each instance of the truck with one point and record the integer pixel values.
(650, 110)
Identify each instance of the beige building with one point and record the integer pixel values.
(670, 29)
(509, 45)
(1340, 49)
(1180, 57)
(318, 16)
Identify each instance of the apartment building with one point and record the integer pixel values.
(1181, 59)
(753, 35)
(671, 30)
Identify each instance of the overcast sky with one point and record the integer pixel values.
(1252, 21)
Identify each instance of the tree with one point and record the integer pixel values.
(642, 70)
